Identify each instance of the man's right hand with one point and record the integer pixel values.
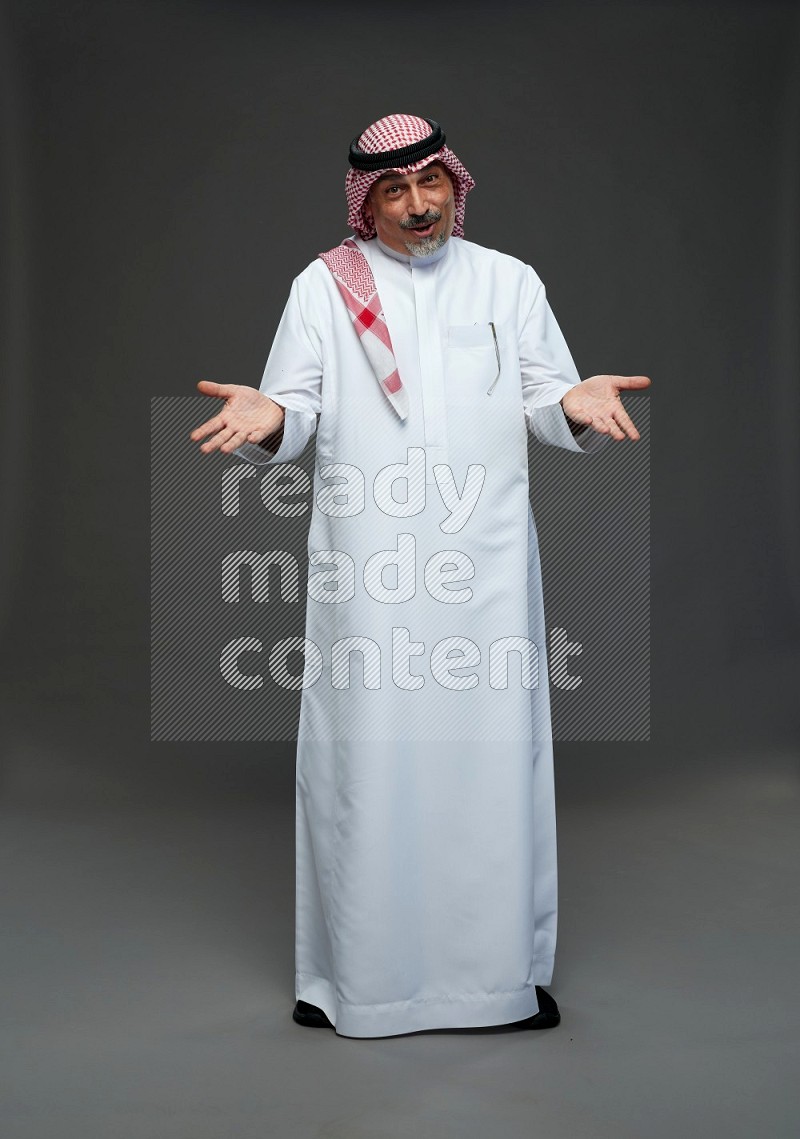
(247, 417)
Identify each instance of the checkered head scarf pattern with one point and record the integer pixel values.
(356, 284)
(400, 133)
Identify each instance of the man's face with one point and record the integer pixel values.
(413, 213)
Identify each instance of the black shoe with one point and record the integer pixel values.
(548, 1015)
(310, 1016)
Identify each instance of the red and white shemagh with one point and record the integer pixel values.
(357, 285)
(349, 266)
(390, 134)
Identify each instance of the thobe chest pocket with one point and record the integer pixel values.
(473, 363)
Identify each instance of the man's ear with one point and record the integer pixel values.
(367, 207)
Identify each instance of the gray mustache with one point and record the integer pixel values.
(423, 219)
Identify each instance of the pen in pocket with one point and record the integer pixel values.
(497, 353)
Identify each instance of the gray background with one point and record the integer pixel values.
(167, 168)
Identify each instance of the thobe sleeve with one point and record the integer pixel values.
(293, 378)
(548, 371)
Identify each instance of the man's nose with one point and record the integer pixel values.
(418, 201)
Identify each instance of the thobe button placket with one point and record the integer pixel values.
(431, 368)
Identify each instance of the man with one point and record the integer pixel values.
(426, 844)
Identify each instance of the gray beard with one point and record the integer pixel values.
(425, 247)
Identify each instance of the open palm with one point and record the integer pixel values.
(247, 417)
(596, 403)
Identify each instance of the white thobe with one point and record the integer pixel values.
(426, 887)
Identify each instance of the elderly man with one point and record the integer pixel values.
(426, 893)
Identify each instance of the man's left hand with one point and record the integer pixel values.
(596, 403)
